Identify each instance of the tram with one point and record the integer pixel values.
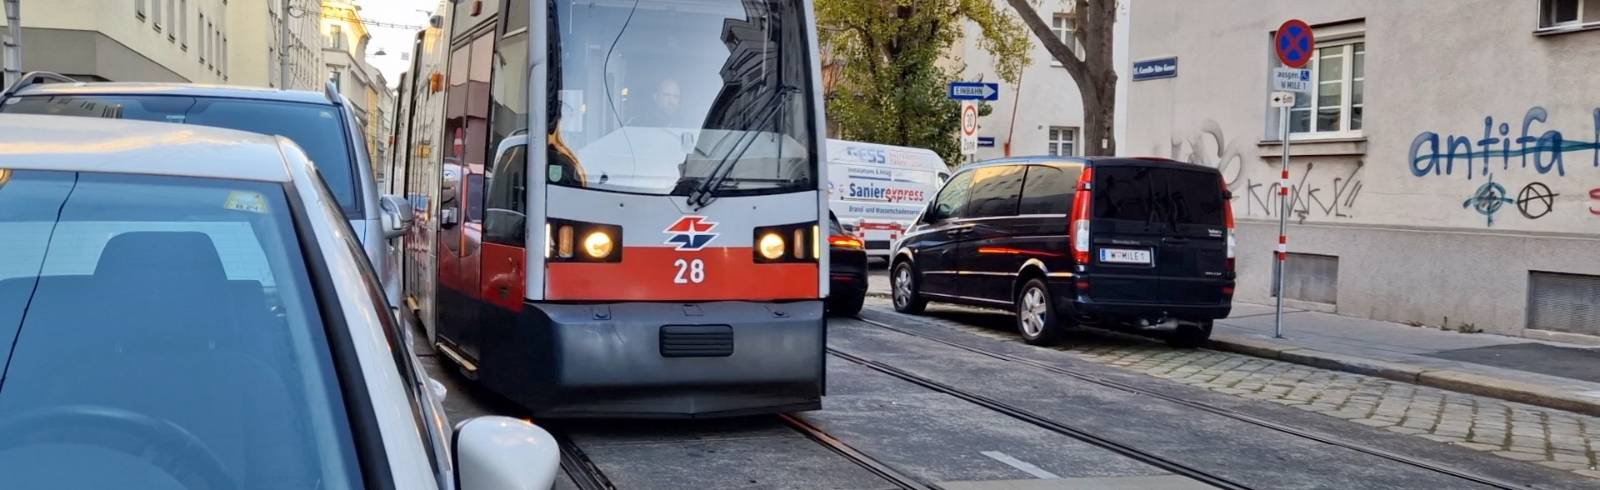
(618, 203)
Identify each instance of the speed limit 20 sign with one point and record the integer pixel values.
(969, 128)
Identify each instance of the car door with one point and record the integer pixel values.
(1193, 248)
(934, 239)
(1125, 234)
(1039, 232)
(987, 260)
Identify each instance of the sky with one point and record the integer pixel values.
(394, 41)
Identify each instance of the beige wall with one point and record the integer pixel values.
(1434, 69)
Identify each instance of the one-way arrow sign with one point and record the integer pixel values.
(974, 91)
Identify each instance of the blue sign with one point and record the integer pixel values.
(974, 91)
(986, 142)
(1154, 69)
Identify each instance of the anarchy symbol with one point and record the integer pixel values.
(1535, 201)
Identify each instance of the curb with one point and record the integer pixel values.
(1476, 384)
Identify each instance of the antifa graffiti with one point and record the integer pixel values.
(1314, 195)
(1456, 155)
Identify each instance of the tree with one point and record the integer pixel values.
(889, 83)
(1095, 74)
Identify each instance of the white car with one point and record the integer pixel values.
(187, 308)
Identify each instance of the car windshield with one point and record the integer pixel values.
(316, 128)
(658, 98)
(164, 336)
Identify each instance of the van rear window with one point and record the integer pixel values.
(1158, 195)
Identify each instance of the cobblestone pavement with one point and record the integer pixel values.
(1553, 438)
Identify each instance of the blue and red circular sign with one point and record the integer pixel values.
(1294, 43)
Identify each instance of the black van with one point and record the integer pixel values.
(1138, 242)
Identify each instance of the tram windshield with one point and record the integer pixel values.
(681, 97)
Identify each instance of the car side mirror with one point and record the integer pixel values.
(494, 453)
(448, 218)
(397, 215)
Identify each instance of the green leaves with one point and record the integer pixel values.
(892, 66)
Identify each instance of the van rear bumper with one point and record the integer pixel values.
(1150, 310)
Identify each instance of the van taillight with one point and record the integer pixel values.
(1227, 209)
(1081, 201)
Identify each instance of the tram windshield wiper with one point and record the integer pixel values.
(708, 190)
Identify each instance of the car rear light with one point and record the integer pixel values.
(845, 242)
(1227, 290)
(1081, 201)
(1082, 286)
(1227, 209)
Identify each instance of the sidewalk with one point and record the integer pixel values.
(1536, 372)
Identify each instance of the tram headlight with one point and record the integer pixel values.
(771, 246)
(598, 244)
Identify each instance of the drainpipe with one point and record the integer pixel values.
(13, 42)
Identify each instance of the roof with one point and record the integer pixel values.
(179, 89)
(138, 147)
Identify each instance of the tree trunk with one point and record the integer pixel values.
(1094, 75)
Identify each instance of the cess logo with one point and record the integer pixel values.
(690, 233)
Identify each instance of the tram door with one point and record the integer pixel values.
(466, 130)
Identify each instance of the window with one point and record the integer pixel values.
(172, 21)
(183, 24)
(223, 70)
(1337, 99)
(336, 36)
(508, 114)
(337, 79)
(155, 17)
(201, 39)
(951, 199)
(1063, 142)
(507, 204)
(138, 9)
(196, 287)
(1061, 24)
(211, 45)
(995, 191)
(1567, 13)
(1049, 189)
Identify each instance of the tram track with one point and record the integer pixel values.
(583, 472)
(872, 465)
(1201, 406)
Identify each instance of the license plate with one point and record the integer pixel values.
(1124, 256)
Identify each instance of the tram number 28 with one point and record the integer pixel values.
(689, 271)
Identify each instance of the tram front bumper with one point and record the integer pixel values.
(677, 359)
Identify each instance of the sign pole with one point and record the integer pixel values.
(1283, 223)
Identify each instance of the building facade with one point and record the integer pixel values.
(1041, 114)
(1467, 197)
(199, 41)
(344, 64)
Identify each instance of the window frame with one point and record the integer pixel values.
(974, 208)
(1547, 12)
(155, 15)
(139, 10)
(1345, 36)
(1052, 142)
(1061, 26)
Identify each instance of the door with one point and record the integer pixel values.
(1192, 258)
(934, 241)
(467, 126)
(988, 260)
(1125, 235)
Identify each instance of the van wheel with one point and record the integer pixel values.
(1036, 315)
(906, 299)
(1190, 335)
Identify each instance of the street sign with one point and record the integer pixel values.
(1154, 69)
(974, 91)
(969, 127)
(985, 142)
(1291, 80)
(1294, 43)
(1283, 99)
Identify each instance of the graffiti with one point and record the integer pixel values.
(1488, 200)
(1217, 154)
(1536, 200)
(1594, 194)
(1548, 150)
(1305, 198)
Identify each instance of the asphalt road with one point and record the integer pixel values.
(954, 400)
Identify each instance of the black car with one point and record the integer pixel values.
(847, 270)
(1137, 242)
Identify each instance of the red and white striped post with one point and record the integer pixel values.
(1283, 224)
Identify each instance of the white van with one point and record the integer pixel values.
(877, 191)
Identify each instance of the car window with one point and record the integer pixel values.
(1048, 189)
(316, 128)
(1191, 198)
(164, 333)
(994, 192)
(951, 199)
(1124, 193)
